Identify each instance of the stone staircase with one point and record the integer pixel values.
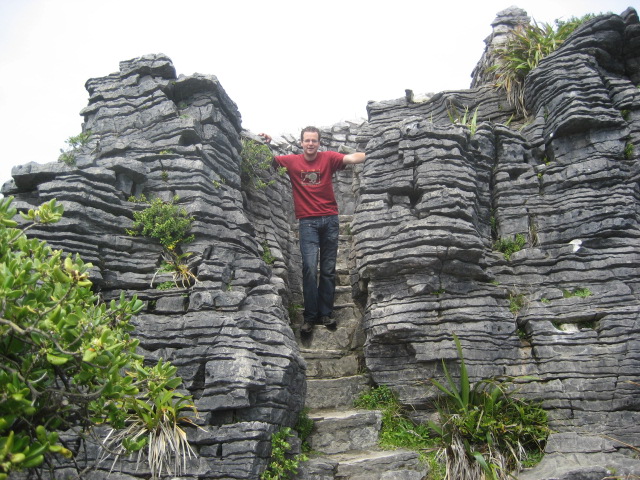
(344, 440)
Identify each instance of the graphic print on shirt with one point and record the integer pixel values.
(310, 177)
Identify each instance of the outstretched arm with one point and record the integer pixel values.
(265, 137)
(353, 158)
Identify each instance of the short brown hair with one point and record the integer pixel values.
(309, 130)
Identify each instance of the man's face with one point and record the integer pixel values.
(310, 143)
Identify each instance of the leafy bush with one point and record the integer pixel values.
(282, 464)
(68, 155)
(486, 430)
(304, 426)
(163, 221)
(526, 46)
(67, 360)
(510, 246)
(170, 226)
(256, 160)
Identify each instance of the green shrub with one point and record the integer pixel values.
(163, 221)
(67, 360)
(282, 464)
(170, 226)
(485, 429)
(510, 246)
(68, 155)
(257, 160)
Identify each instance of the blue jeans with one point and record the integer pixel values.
(318, 241)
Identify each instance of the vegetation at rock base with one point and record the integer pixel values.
(68, 362)
(256, 162)
(485, 429)
(398, 430)
(169, 225)
(282, 465)
(68, 155)
(525, 47)
(304, 426)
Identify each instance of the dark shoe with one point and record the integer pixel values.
(307, 328)
(328, 322)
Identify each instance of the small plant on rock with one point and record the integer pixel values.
(510, 246)
(170, 225)
(470, 121)
(398, 430)
(486, 431)
(267, 256)
(256, 160)
(577, 292)
(68, 155)
(282, 465)
(526, 46)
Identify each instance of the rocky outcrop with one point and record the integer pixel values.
(433, 201)
(156, 134)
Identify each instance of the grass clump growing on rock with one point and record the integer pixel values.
(74, 144)
(509, 246)
(399, 431)
(486, 431)
(256, 160)
(525, 47)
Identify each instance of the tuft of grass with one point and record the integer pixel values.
(577, 292)
(398, 430)
(267, 256)
(629, 148)
(526, 46)
(510, 246)
(457, 118)
(486, 430)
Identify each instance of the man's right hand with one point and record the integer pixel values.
(267, 138)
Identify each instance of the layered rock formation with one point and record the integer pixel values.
(155, 134)
(428, 206)
(434, 199)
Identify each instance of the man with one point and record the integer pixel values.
(316, 209)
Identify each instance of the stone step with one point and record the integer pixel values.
(328, 393)
(339, 431)
(331, 363)
(343, 294)
(347, 336)
(366, 465)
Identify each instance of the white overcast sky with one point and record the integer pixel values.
(285, 63)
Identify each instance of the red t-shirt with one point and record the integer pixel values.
(311, 182)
